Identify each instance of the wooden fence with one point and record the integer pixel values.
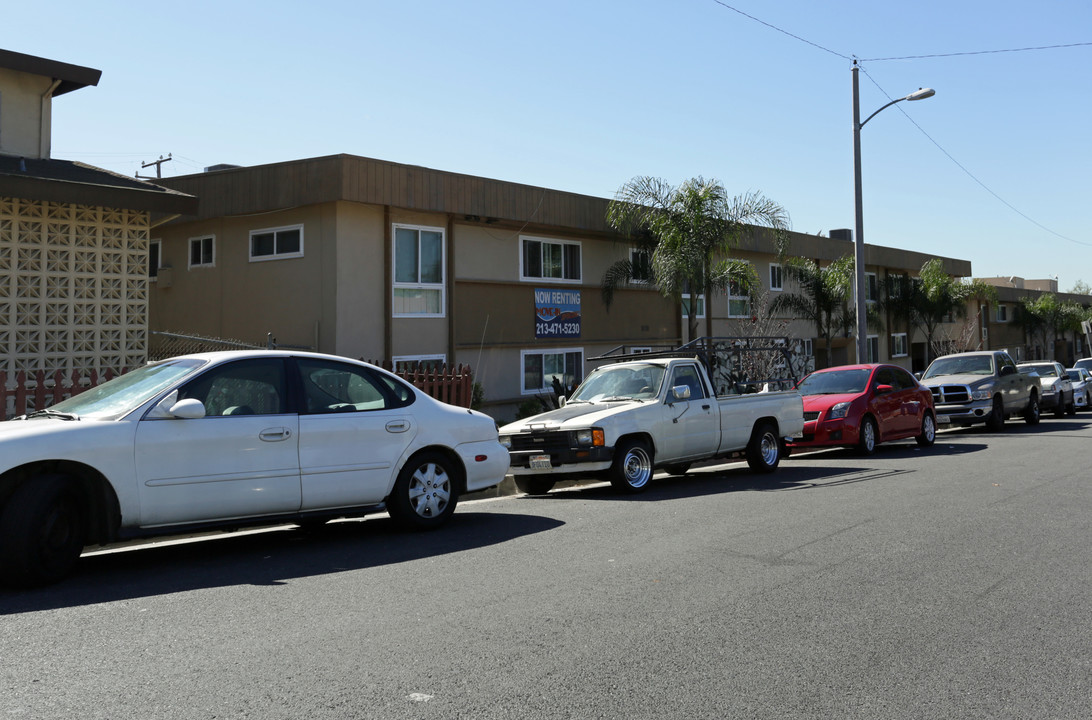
(35, 391)
(38, 390)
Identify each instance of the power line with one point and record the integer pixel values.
(783, 32)
(978, 52)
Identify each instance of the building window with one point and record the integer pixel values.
(807, 347)
(276, 243)
(776, 278)
(872, 346)
(540, 367)
(155, 259)
(1002, 313)
(418, 271)
(872, 288)
(542, 259)
(641, 265)
(739, 304)
(699, 309)
(203, 251)
(645, 349)
(898, 345)
(405, 363)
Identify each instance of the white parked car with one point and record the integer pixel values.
(1057, 389)
(1082, 386)
(229, 439)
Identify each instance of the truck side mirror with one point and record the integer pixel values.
(681, 392)
(1007, 370)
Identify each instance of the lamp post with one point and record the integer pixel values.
(858, 235)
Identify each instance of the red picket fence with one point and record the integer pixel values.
(453, 385)
(35, 391)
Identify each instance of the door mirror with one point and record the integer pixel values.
(884, 389)
(188, 409)
(1007, 370)
(681, 392)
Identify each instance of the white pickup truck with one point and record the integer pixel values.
(628, 418)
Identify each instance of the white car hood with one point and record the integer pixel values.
(578, 415)
(958, 380)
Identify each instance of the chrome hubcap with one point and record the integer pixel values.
(638, 469)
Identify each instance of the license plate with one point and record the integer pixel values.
(943, 420)
(541, 462)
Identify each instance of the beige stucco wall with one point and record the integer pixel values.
(360, 270)
(293, 298)
(24, 118)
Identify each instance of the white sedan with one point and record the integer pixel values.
(228, 439)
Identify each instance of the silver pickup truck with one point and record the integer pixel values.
(981, 387)
(628, 418)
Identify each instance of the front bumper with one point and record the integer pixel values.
(561, 461)
(964, 413)
(825, 433)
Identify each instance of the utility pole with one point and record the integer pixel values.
(158, 168)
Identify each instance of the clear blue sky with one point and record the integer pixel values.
(582, 95)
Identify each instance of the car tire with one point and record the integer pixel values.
(632, 466)
(677, 468)
(534, 485)
(928, 434)
(868, 437)
(1032, 414)
(42, 531)
(1071, 408)
(995, 421)
(1059, 409)
(764, 449)
(426, 492)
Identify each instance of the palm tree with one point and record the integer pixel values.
(823, 298)
(1046, 313)
(942, 296)
(688, 233)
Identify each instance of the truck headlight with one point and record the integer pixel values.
(506, 440)
(839, 411)
(982, 394)
(591, 436)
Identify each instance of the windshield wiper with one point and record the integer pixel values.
(52, 413)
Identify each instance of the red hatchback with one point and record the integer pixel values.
(863, 405)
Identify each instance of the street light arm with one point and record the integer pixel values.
(916, 95)
(879, 111)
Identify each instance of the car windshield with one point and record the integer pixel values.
(1043, 369)
(124, 393)
(620, 382)
(835, 382)
(956, 365)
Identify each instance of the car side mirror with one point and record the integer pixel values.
(188, 409)
(1007, 370)
(1065, 376)
(681, 392)
(884, 389)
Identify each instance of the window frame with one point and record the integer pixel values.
(527, 352)
(895, 345)
(686, 297)
(737, 298)
(524, 277)
(441, 286)
(1002, 313)
(153, 272)
(872, 348)
(212, 252)
(780, 286)
(276, 255)
(872, 287)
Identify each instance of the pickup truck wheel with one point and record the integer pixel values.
(534, 485)
(1059, 409)
(425, 494)
(928, 431)
(867, 437)
(1031, 415)
(995, 421)
(1071, 408)
(42, 531)
(764, 449)
(632, 468)
(677, 468)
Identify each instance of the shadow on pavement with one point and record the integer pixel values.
(269, 557)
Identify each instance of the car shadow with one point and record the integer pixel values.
(891, 451)
(268, 557)
(719, 479)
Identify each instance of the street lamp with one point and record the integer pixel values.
(858, 236)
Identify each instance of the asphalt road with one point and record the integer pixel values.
(952, 582)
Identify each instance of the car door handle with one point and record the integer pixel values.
(705, 407)
(397, 426)
(275, 434)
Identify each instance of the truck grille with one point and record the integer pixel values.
(541, 442)
(950, 394)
